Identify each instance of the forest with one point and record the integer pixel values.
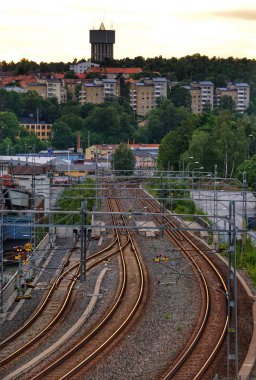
(184, 69)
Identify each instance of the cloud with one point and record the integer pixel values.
(241, 14)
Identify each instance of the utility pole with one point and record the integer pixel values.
(162, 203)
(96, 181)
(244, 215)
(83, 241)
(215, 209)
(51, 228)
(232, 337)
(2, 263)
(2, 245)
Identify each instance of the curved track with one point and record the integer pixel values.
(53, 306)
(127, 301)
(211, 328)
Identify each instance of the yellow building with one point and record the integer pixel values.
(100, 151)
(97, 90)
(41, 130)
(40, 88)
(223, 91)
(144, 94)
(202, 95)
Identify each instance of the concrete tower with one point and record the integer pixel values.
(102, 44)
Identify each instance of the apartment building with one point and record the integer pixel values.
(55, 89)
(97, 90)
(82, 67)
(224, 91)
(202, 95)
(40, 88)
(71, 85)
(242, 98)
(49, 88)
(144, 94)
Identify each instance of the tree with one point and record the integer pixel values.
(75, 123)
(32, 102)
(123, 159)
(62, 136)
(180, 97)
(9, 126)
(230, 144)
(248, 166)
(170, 150)
(227, 103)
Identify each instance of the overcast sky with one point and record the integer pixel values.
(58, 30)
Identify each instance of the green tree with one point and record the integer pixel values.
(248, 166)
(51, 110)
(170, 150)
(230, 144)
(75, 123)
(32, 102)
(227, 103)
(9, 126)
(106, 121)
(62, 136)
(123, 159)
(180, 97)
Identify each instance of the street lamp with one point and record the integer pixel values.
(190, 163)
(183, 161)
(68, 164)
(198, 169)
(249, 144)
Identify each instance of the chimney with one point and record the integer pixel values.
(78, 143)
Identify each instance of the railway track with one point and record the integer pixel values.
(24, 340)
(126, 303)
(209, 334)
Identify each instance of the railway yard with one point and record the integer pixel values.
(153, 305)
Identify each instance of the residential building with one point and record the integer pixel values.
(202, 95)
(97, 90)
(100, 151)
(243, 95)
(145, 155)
(17, 89)
(82, 67)
(40, 88)
(102, 44)
(224, 91)
(71, 86)
(57, 90)
(49, 88)
(144, 94)
(40, 128)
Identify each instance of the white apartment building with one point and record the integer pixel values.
(243, 95)
(57, 90)
(81, 67)
(239, 92)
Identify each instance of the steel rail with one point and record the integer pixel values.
(189, 350)
(105, 319)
